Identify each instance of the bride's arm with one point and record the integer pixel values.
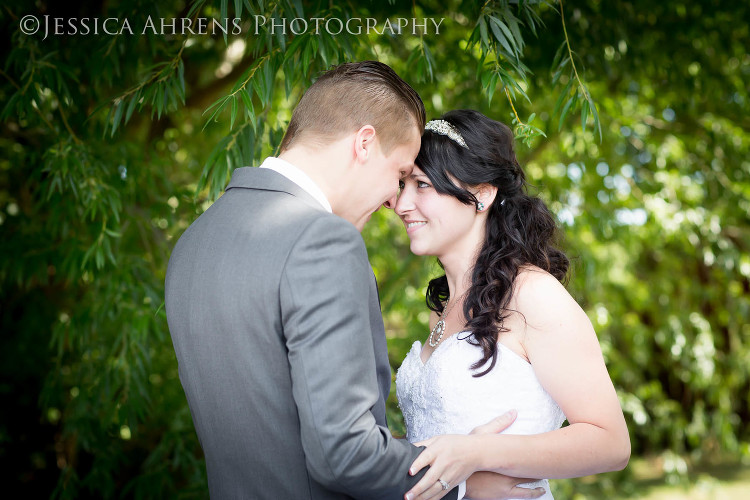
(564, 351)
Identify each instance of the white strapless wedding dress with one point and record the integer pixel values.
(442, 397)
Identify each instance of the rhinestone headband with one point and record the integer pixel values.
(442, 127)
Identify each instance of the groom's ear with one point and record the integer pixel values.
(364, 143)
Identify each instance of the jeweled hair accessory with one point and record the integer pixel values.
(442, 127)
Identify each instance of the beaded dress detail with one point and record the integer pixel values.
(442, 397)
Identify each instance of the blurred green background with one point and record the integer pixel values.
(633, 125)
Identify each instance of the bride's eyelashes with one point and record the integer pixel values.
(420, 184)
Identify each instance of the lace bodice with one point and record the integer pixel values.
(442, 397)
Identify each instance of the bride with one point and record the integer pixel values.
(505, 333)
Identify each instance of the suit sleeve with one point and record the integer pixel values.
(324, 296)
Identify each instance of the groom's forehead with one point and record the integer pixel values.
(406, 170)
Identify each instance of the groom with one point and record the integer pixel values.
(273, 307)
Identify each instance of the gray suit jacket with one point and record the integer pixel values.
(273, 311)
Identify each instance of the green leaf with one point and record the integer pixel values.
(558, 73)
(429, 60)
(483, 31)
(181, 76)
(118, 115)
(131, 106)
(565, 110)
(158, 100)
(268, 80)
(495, 25)
(322, 50)
(584, 114)
(558, 54)
(484, 78)
(563, 95)
(217, 107)
(299, 9)
(513, 24)
(507, 36)
(224, 15)
(595, 114)
(492, 87)
(195, 7)
(234, 113)
(247, 100)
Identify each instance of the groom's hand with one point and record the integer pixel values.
(489, 485)
(481, 485)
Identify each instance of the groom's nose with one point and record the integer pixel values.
(391, 202)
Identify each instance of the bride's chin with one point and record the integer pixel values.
(416, 250)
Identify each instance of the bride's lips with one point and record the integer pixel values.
(414, 225)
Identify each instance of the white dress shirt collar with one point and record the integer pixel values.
(298, 177)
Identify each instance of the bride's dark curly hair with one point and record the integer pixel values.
(520, 230)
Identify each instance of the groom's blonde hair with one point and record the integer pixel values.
(350, 96)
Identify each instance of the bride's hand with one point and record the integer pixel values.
(452, 459)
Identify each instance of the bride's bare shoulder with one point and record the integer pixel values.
(536, 289)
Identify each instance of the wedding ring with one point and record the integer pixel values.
(444, 484)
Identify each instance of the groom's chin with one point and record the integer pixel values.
(364, 220)
(360, 224)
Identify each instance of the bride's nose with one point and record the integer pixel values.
(404, 202)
